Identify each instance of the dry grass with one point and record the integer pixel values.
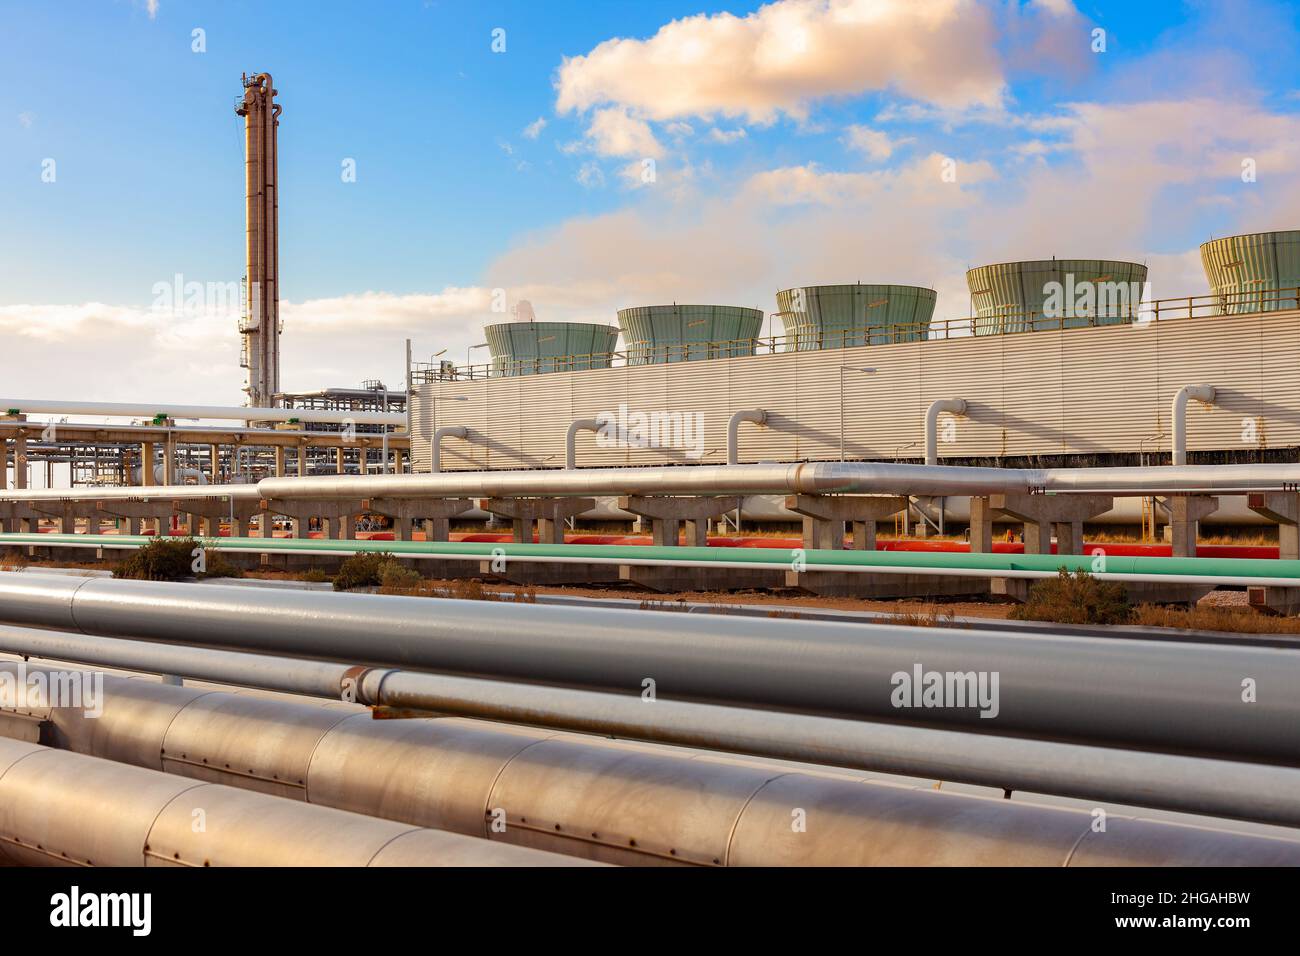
(1231, 620)
(931, 615)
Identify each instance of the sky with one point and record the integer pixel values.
(590, 156)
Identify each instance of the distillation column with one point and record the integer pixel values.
(260, 322)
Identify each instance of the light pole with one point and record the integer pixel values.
(843, 369)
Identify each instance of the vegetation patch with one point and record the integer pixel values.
(1077, 598)
(174, 559)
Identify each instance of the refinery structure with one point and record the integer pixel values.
(666, 450)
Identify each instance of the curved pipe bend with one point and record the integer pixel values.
(954, 406)
(1178, 415)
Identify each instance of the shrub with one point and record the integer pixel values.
(397, 578)
(315, 575)
(1077, 598)
(365, 569)
(172, 559)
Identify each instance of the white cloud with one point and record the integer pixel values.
(534, 129)
(782, 57)
(873, 143)
(591, 176)
(726, 136)
(152, 7)
(26, 119)
(614, 132)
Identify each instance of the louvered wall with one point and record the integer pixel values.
(1076, 391)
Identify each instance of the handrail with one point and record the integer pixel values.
(1248, 302)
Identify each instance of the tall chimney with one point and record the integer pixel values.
(260, 319)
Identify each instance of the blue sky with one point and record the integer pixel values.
(824, 169)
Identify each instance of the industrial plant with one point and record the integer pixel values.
(859, 504)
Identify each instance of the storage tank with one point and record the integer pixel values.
(839, 316)
(1054, 294)
(532, 348)
(655, 334)
(1259, 272)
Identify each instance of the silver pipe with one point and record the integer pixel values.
(571, 439)
(1179, 697)
(954, 406)
(797, 478)
(1178, 416)
(192, 732)
(449, 431)
(67, 809)
(756, 416)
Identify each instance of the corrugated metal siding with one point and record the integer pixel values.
(1010, 296)
(1247, 269)
(1078, 391)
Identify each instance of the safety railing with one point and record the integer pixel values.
(994, 323)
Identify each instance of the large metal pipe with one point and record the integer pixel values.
(953, 406)
(797, 478)
(34, 406)
(1188, 698)
(757, 416)
(1263, 794)
(578, 795)
(68, 809)
(449, 431)
(1214, 572)
(571, 439)
(1178, 417)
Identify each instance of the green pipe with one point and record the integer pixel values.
(770, 557)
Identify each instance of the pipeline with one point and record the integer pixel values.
(1201, 571)
(1257, 793)
(1183, 697)
(807, 478)
(68, 809)
(40, 406)
(588, 797)
(823, 478)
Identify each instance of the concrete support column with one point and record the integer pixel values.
(668, 514)
(981, 525)
(4, 462)
(302, 461)
(434, 514)
(549, 513)
(214, 463)
(1043, 514)
(1185, 515)
(1284, 508)
(824, 518)
(169, 459)
(340, 460)
(399, 461)
(146, 463)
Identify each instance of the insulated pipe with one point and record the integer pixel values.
(34, 406)
(796, 478)
(571, 439)
(587, 796)
(1262, 794)
(757, 416)
(448, 431)
(760, 479)
(954, 406)
(67, 809)
(1176, 697)
(1264, 572)
(1178, 416)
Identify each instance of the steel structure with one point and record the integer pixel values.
(260, 322)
